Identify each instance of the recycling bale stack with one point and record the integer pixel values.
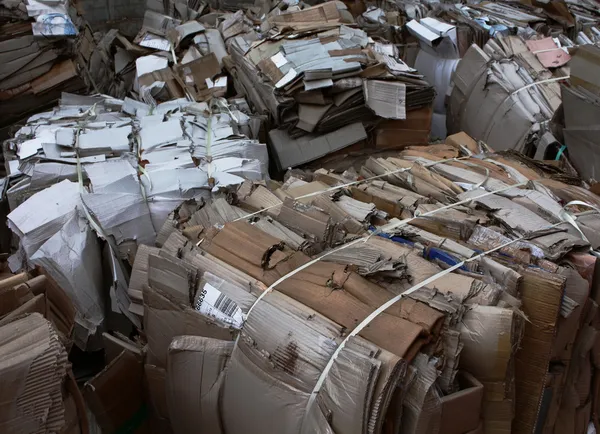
(263, 288)
(46, 48)
(117, 168)
(325, 83)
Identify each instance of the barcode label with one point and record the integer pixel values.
(226, 305)
(213, 303)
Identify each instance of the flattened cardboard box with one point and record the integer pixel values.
(155, 387)
(415, 129)
(194, 381)
(115, 396)
(461, 411)
(165, 319)
(585, 65)
(166, 75)
(293, 152)
(584, 151)
(31, 376)
(196, 73)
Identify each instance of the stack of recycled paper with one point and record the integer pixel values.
(183, 57)
(505, 95)
(323, 81)
(581, 99)
(43, 46)
(39, 393)
(441, 289)
(123, 166)
(496, 67)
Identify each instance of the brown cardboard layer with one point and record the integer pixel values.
(33, 370)
(541, 295)
(115, 395)
(461, 411)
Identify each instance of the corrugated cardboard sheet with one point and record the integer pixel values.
(293, 152)
(165, 318)
(194, 381)
(490, 335)
(581, 106)
(461, 410)
(33, 367)
(115, 396)
(541, 294)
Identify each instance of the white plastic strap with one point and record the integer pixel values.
(350, 184)
(365, 238)
(537, 83)
(572, 219)
(391, 226)
(208, 145)
(547, 50)
(364, 323)
(172, 47)
(222, 103)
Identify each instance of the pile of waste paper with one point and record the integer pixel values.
(323, 82)
(36, 321)
(581, 99)
(507, 83)
(433, 290)
(45, 48)
(497, 68)
(124, 166)
(280, 217)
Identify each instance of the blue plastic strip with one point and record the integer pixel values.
(392, 238)
(434, 253)
(560, 152)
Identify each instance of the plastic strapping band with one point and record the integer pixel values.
(364, 239)
(208, 144)
(536, 83)
(547, 50)
(144, 172)
(487, 176)
(90, 218)
(466, 150)
(141, 169)
(364, 323)
(222, 102)
(560, 152)
(572, 219)
(510, 95)
(172, 47)
(350, 184)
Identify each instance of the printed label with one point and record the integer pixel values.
(213, 303)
